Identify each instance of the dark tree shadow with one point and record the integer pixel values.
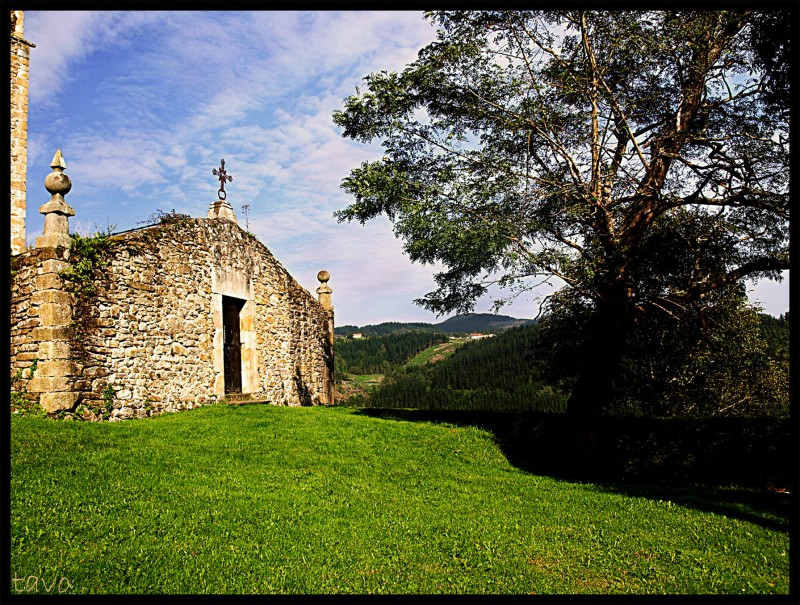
(303, 390)
(728, 466)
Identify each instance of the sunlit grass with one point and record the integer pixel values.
(261, 499)
(436, 353)
(366, 381)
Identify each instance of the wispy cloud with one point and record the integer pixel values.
(147, 103)
(144, 104)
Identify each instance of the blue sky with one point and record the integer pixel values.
(144, 104)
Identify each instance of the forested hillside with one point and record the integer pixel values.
(384, 329)
(503, 362)
(776, 333)
(487, 323)
(378, 354)
(501, 373)
(531, 368)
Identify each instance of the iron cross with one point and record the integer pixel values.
(223, 176)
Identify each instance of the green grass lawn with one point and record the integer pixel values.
(261, 499)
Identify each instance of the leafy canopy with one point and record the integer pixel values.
(632, 154)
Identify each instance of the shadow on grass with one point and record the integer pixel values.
(761, 507)
(725, 466)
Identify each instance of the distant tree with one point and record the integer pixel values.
(715, 364)
(377, 354)
(632, 154)
(776, 334)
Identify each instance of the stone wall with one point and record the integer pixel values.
(151, 331)
(20, 58)
(25, 315)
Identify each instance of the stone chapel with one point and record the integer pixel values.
(178, 314)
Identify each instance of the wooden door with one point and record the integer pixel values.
(232, 345)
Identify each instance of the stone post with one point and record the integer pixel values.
(55, 372)
(20, 63)
(324, 296)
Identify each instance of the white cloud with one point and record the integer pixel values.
(64, 38)
(144, 104)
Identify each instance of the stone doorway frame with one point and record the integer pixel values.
(234, 284)
(232, 343)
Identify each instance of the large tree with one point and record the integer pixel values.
(635, 155)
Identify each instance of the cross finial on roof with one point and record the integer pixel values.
(223, 176)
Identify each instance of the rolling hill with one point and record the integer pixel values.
(487, 323)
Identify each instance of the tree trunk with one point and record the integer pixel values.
(594, 388)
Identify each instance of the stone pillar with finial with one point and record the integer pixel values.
(56, 211)
(324, 296)
(324, 291)
(55, 375)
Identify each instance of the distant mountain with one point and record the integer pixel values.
(384, 329)
(486, 323)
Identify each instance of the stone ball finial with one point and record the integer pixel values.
(57, 183)
(324, 291)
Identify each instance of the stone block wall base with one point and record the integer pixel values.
(49, 384)
(53, 241)
(53, 402)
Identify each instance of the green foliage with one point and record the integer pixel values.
(628, 153)
(24, 406)
(696, 361)
(159, 217)
(776, 334)
(730, 373)
(109, 394)
(497, 161)
(497, 374)
(86, 255)
(20, 403)
(436, 353)
(771, 39)
(272, 500)
(486, 323)
(385, 329)
(414, 390)
(504, 361)
(715, 363)
(704, 362)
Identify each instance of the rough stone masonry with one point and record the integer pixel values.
(20, 60)
(143, 331)
(165, 318)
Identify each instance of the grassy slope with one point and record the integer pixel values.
(259, 499)
(436, 353)
(367, 381)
